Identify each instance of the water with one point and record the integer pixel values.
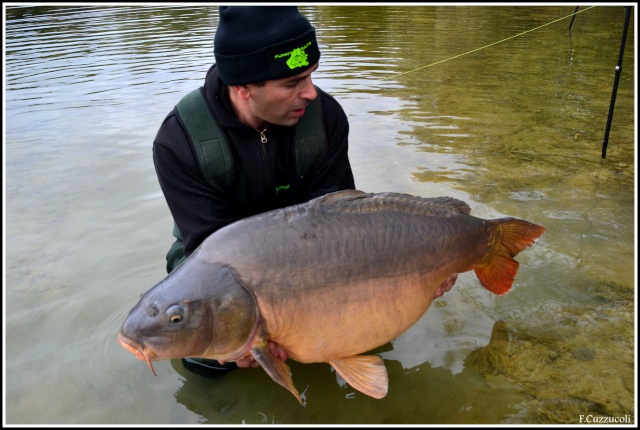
(436, 106)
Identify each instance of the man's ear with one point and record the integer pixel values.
(242, 91)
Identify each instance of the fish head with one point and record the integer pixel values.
(198, 310)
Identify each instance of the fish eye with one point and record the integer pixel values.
(175, 314)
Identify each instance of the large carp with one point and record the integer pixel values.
(326, 280)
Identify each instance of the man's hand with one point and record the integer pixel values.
(446, 285)
(249, 361)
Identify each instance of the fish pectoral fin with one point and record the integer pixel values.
(365, 373)
(276, 368)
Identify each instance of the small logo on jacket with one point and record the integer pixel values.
(282, 188)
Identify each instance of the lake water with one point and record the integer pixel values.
(500, 106)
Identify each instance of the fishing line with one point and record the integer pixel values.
(486, 46)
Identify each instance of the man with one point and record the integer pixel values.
(258, 90)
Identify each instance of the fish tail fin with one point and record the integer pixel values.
(511, 236)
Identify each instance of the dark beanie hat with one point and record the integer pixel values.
(259, 43)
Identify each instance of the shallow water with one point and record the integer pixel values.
(441, 100)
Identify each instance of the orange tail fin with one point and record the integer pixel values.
(512, 236)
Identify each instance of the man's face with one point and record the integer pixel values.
(282, 101)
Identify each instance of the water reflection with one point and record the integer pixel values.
(219, 400)
(514, 129)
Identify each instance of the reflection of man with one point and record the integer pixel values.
(280, 140)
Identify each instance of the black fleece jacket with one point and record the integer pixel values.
(269, 168)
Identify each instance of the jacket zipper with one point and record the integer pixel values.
(263, 140)
(263, 137)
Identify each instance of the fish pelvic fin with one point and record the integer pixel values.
(365, 373)
(512, 236)
(275, 368)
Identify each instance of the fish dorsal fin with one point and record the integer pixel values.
(365, 373)
(276, 368)
(342, 196)
(354, 201)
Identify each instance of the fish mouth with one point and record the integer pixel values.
(141, 352)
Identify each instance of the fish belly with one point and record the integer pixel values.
(334, 321)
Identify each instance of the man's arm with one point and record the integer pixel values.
(196, 208)
(333, 172)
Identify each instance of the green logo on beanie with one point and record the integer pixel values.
(297, 57)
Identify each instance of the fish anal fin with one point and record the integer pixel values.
(512, 236)
(275, 368)
(365, 373)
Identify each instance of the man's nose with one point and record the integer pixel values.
(309, 92)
